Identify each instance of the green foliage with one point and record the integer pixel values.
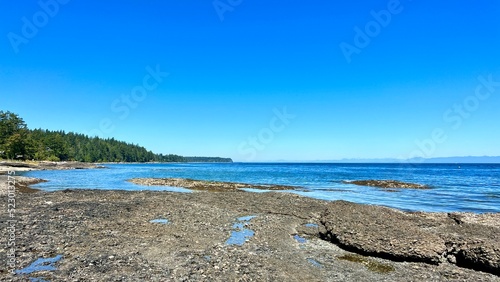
(18, 142)
(207, 160)
(53, 145)
(13, 132)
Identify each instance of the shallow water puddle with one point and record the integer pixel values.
(311, 225)
(314, 262)
(33, 279)
(369, 263)
(160, 221)
(299, 239)
(41, 264)
(254, 190)
(241, 234)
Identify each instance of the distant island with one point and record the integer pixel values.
(17, 142)
(439, 160)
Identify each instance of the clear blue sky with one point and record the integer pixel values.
(231, 66)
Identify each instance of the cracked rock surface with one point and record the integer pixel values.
(467, 240)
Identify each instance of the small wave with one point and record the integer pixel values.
(168, 169)
(492, 196)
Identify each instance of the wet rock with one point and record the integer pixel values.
(45, 165)
(202, 185)
(21, 183)
(388, 184)
(369, 263)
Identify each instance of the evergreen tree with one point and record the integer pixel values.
(13, 135)
(18, 142)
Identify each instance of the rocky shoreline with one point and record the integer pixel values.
(144, 235)
(6, 166)
(464, 239)
(212, 186)
(387, 184)
(21, 184)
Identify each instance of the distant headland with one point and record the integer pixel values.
(17, 142)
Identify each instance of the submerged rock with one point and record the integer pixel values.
(387, 184)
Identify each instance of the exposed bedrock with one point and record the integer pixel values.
(467, 240)
(387, 184)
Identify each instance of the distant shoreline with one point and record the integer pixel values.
(7, 165)
(13, 165)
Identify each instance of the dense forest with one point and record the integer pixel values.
(19, 142)
(207, 160)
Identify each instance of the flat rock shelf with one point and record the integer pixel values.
(387, 184)
(202, 185)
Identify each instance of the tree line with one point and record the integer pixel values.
(19, 142)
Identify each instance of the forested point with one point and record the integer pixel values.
(19, 142)
(207, 160)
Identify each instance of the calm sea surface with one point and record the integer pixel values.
(464, 187)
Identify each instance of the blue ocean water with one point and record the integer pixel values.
(455, 187)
